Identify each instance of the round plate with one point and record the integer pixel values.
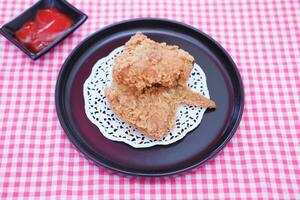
(198, 146)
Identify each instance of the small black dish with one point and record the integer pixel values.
(11, 27)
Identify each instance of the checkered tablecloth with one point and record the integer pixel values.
(261, 161)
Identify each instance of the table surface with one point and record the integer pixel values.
(261, 161)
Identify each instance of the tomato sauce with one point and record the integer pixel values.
(45, 28)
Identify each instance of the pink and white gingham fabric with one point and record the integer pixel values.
(261, 161)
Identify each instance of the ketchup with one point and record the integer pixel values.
(45, 28)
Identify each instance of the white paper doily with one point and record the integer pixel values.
(112, 127)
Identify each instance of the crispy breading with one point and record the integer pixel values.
(146, 63)
(149, 81)
(153, 110)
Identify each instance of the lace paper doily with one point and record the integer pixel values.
(112, 127)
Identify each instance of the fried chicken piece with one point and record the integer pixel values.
(152, 111)
(149, 81)
(145, 63)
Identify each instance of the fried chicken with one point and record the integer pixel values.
(153, 110)
(149, 81)
(146, 63)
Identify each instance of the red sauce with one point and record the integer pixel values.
(45, 28)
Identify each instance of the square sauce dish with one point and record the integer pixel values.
(42, 26)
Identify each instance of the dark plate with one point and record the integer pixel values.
(198, 146)
(11, 27)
